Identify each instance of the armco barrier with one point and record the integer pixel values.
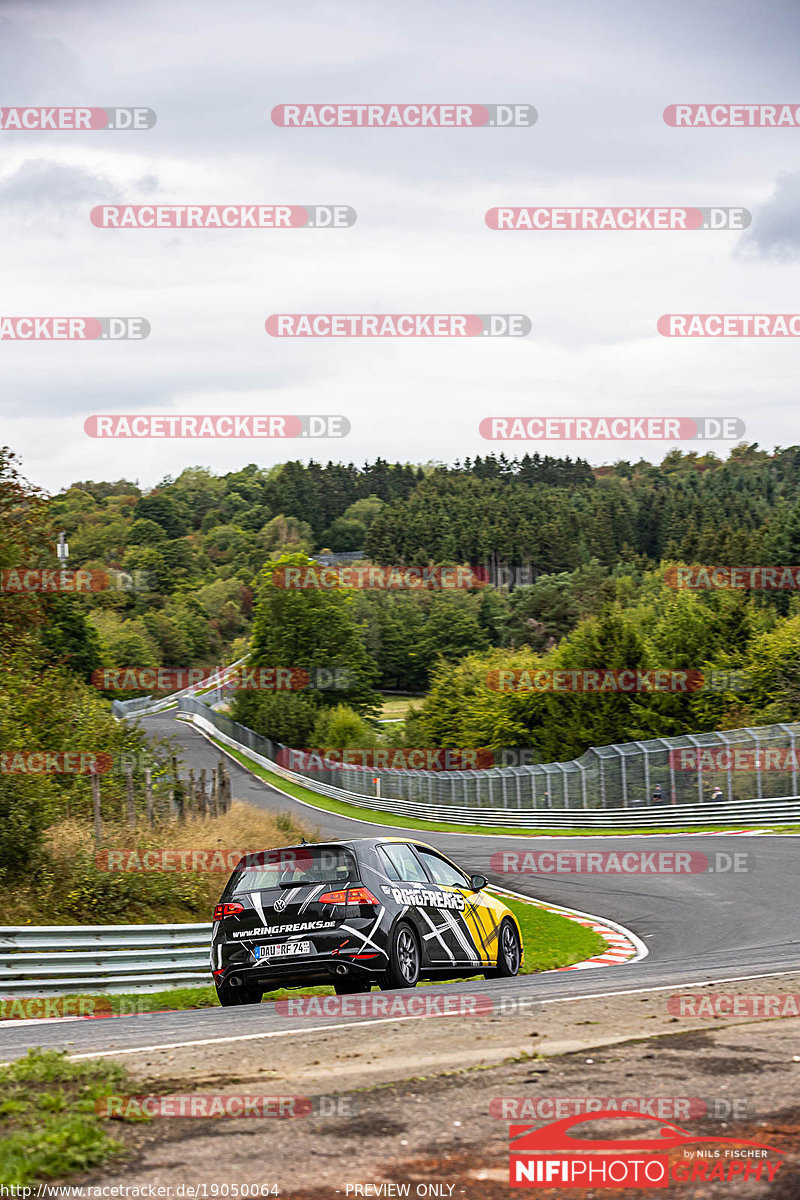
(146, 705)
(252, 745)
(67, 959)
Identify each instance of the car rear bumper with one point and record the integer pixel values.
(321, 969)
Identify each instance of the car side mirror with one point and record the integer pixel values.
(478, 882)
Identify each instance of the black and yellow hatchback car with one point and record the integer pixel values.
(386, 911)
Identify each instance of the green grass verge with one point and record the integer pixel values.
(48, 1124)
(375, 816)
(49, 1127)
(549, 941)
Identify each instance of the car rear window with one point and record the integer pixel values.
(293, 866)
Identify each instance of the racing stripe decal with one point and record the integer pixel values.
(255, 899)
(314, 892)
(436, 933)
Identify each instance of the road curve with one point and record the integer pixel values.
(698, 928)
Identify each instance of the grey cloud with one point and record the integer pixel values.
(41, 182)
(775, 232)
(34, 68)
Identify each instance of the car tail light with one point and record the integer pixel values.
(357, 895)
(227, 910)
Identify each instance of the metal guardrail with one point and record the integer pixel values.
(146, 705)
(68, 960)
(622, 776)
(738, 812)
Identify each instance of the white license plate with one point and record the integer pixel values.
(283, 950)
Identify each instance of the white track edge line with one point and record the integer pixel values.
(389, 1020)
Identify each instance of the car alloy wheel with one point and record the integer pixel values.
(404, 961)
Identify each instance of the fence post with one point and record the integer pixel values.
(148, 796)
(202, 800)
(98, 820)
(178, 795)
(191, 793)
(131, 802)
(583, 785)
(624, 775)
(214, 792)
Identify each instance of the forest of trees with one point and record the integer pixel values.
(596, 543)
(201, 539)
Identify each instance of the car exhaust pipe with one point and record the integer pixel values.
(341, 969)
(234, 981)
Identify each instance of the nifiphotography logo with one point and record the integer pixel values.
(554, 1157)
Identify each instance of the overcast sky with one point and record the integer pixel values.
(599, 75)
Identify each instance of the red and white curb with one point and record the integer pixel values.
(623, 946)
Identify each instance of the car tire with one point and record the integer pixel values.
(230, 997)
(508, 952)
(404, 959)
(351, 986)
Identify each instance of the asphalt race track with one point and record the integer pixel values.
(698, 928)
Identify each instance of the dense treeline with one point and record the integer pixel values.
(594, 543)
(46, 645)
(745, 510)
(200, 540)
